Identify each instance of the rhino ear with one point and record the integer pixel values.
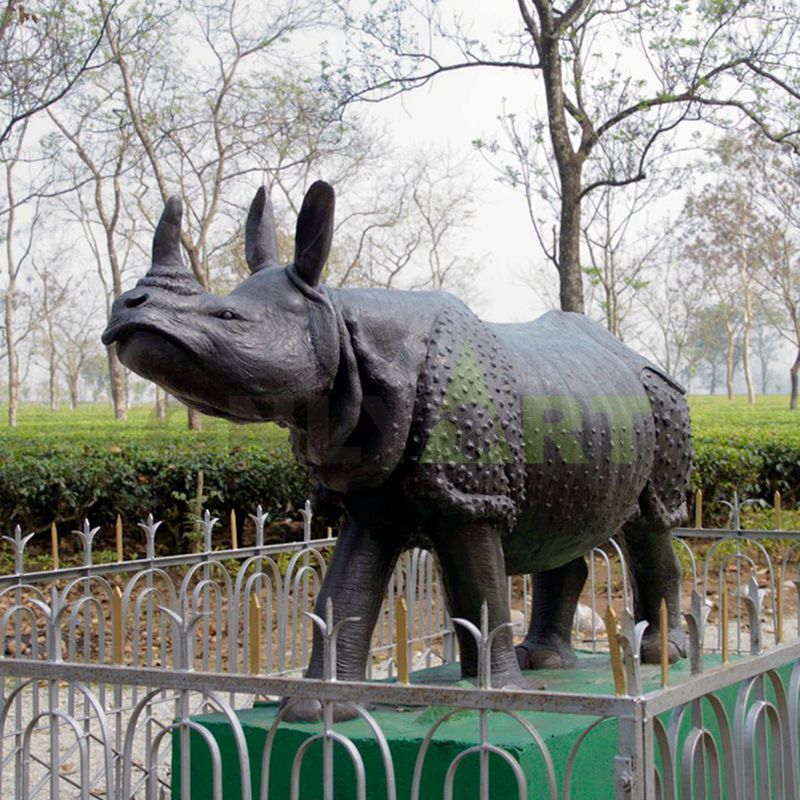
(314, 232)
(261, 238)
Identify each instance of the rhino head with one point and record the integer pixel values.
(267, 351)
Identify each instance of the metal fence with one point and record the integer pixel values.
(107, 666)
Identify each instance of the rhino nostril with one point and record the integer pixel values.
(132, 302)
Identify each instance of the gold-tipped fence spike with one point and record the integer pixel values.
(663, 623)
(120, 553)
(401, 639)
(118, 629)
(616, 656)
(778, 512)
(54, 545)
(255, 635)
(234, 532)
(698, 509)
(723, 622)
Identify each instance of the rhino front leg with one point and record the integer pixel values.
(473, 570)
(547, 644)
(356, 582)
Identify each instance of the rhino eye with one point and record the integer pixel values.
(227, 314)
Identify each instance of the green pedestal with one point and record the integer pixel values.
(593, 772)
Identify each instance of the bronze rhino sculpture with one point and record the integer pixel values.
(505, 448)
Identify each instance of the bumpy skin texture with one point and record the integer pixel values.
(504, 448)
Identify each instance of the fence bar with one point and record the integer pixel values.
(614, 648)
(255, 635)
(120, 553)
(54, 545)
(401, 640)
(698, 509)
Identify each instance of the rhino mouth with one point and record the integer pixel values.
(118, 331)
(121, 331)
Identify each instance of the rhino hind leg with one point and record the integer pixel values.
(547, 644)
(473, 571)
(656, 573)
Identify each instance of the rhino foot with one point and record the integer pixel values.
(307, 710)
(511, 678)
(651, 647)
(550, 653)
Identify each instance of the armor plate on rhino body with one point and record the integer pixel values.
(466, 434)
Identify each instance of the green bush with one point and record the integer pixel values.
(65, 466)
(65, 473)
(754, 450)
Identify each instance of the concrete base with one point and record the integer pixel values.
(593, 775)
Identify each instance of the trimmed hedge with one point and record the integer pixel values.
(97, 469)
(103, 471)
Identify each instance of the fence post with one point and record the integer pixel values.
(120, 554)
(632, 777)
(401, 640)
(616, 657)
(54, 545)
(698, 509)
(234, 532)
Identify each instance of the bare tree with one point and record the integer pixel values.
(408, 234)
(715, 62)
(16, 257)
(54, 296)
(199, 126)
(728, 235)
(102, 144)
(671, 305)
(78, 341)
(775, 174)
(620, 251)
(45, 50)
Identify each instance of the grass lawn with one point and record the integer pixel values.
(770, 417)
(711, 416)
(95, 423)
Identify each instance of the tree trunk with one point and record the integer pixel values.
(570, 165)
(11, 349)
(194, 419)
(729, 366)
(161, 404)
(13, 366)
(118, 401)
(751, 395)
(748, 326)
(569, 238)
(72, 380)
(53, 378)
(794, 374)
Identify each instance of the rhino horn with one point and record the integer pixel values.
(314, 232)
(168, 270)
(261, 238)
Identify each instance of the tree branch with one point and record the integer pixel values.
(84, 67)
(577, 8)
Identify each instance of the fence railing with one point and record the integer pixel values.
(107, 666)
